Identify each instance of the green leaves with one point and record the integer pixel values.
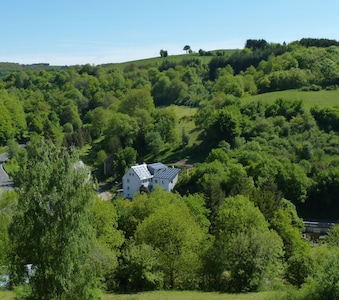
(245, 251)
(173, 231)
(51, 228)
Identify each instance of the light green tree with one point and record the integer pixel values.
(139, 269)
(180, 241)
(124, 159)
(8, 202)
(154, 142)
(246, 253)
(109, 240)
(51, 228)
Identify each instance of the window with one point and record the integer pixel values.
(128, 188)
(127, 180)
(156, 180)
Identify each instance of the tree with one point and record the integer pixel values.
(187, 48)
(137, 99)
(173, 232)
(245, 252)
(8, 202)
(124, 159)
(226, 126)
(139, 268)
(98, 119)
(333, 236)
(185, 138)
(51, 227)
(323, 283)
(163, 53)
(121, 131)
(154, 142)
(293, 182)
(106, 250)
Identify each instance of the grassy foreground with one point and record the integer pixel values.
(176, 295)
(192, 295)
(7, 295)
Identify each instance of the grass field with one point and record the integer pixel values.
(6, 295)
(176, 295)
(321, 98)
(191, 295)
(157, 61)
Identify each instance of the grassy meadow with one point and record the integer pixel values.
(321, 98)
(7, 295)
(156, 61)
(176, 295)
(185, 117)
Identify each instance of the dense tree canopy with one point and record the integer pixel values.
(250, 169)
(51, 229)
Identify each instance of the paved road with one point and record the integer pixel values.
(5, 182)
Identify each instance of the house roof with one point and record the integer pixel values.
(156, 167)
(142, 171)
(168, 173)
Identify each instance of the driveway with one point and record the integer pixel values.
(5, 182)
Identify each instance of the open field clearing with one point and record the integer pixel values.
(321, 98)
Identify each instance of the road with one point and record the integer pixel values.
(5, 182)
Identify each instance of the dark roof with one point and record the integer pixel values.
(156, 167)
(168, 173)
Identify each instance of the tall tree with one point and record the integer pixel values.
(246, 252)
(179, 239)
(187, 48)
(51, 228)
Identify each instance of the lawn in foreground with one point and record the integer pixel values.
(192, 295)
(175, 295)
(7, 295)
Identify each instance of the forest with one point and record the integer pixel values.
(234, 223)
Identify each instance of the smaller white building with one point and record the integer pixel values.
(148, 175)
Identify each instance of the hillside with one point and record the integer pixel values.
(322, 98)
(8, 68)
(255, 131)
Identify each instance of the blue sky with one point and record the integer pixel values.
(72, 32)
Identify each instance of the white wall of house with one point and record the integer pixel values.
(166, 184)
(140, 175)
(172, 183)
(130, 183)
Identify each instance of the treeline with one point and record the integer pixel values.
(126, 112)
(58, 101)
(7, 68)
(309, 42)
(232, 224)
(235, 235)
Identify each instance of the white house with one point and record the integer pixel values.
(148, 175)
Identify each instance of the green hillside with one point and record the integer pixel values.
(178, 58)
(8, 68)
(255, 133)
(323, 98)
